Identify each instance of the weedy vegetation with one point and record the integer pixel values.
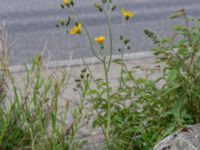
(135, 114)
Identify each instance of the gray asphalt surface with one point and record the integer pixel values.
(31, 24)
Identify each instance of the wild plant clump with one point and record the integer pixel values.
(134, 114)
(167, 98)
(30, 107)
(143, 110)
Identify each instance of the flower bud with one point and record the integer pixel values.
(99, 7)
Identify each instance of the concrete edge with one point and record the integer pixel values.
(77, 62)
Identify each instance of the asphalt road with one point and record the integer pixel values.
(31, 24)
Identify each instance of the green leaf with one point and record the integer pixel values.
(172, 74)
(98, 122)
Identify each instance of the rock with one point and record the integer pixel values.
(187, 138)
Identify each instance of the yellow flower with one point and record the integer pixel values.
(66, 2)
(127, 14)
(100, 39)
(76, 29)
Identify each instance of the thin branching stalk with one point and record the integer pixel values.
(108, 103)
(87, 34)
(108, 20)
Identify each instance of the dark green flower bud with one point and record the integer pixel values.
(87, 75)
(72, 3)
(114, 7)
(84, 70)
(62, 6)
(77, 80)
(82, 76)
(62, 22)
(68, 21)
(99, 7)
(126, 41)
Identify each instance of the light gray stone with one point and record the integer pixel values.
(184, 139)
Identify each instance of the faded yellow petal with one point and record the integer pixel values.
(127, 13)
(66, 2)
(100, 39)
(75, 30)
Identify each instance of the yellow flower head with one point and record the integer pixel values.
(127, 14)
(76, 29)
(100, 39)
(66, 2)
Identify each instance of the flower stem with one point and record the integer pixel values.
(108, 103)
(111, 40)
